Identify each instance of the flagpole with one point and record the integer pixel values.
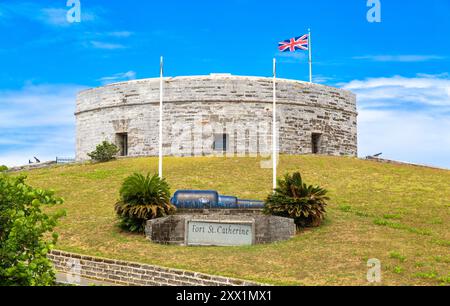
(161, 91)
(310, 56)
(274, 125)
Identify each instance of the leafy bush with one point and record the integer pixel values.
(143, 198)
(104, 152)
(294, 199)
(24, 233)
(3, 168)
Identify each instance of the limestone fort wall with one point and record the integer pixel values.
(312, 118)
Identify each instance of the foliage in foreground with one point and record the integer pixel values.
(3, 168)
(104, 152)
(294, 199)
(143, 198)
(24, 229)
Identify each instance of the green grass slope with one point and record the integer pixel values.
(397, 214)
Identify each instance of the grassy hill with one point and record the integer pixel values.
(397, 214)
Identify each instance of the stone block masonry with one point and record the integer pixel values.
(267, 229)
(135, 274)
(312, 118)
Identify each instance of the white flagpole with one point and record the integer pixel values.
(274, 125)
(310, 56)
(161, 91)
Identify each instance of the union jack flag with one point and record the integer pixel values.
(293, 44)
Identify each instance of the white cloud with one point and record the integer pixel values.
(120, 34)
(421, 138)
(43, 144)
(400, 58)
(55, 16)
(37, 105)
(322, 79)
(407, 119)
(37, 120)
(123, 76)
(292, 57)
(425, 90)
(106, 45)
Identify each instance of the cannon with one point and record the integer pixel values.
(195, 199)
(210, 199)
(227, 202)
(250, 204)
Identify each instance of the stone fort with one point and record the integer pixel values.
(217, 114)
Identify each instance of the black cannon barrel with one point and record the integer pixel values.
(250, 204)
(195, 199)
(227, 202)
(210, 199)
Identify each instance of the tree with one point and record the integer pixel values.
(104, 152)
(25, 230)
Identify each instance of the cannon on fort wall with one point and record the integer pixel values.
(210, 199)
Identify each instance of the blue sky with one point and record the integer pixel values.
(399, 68)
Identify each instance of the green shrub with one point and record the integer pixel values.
(143, 198)
(104, 152)
(294, 199)
(3, 168)
(397, 255)
(24, 233)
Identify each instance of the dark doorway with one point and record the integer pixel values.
(220, 142)
(316, 140)
(122, 143)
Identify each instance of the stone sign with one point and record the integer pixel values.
(223, 227)
(219, 233)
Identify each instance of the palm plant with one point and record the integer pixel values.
(143, 198)
(294, 199)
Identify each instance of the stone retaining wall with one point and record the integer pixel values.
(135, 274)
